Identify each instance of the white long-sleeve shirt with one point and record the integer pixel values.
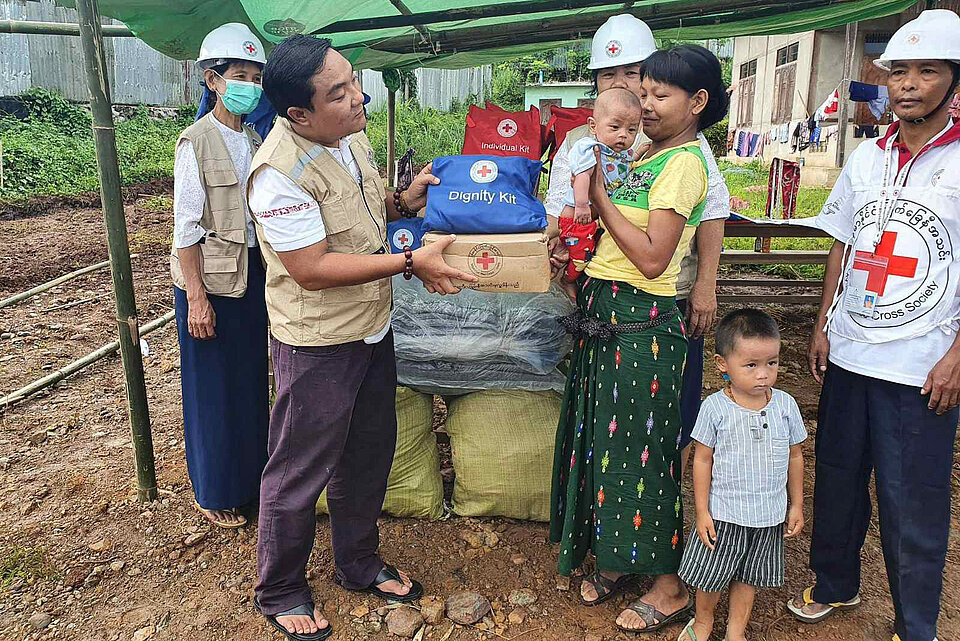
(189, 196)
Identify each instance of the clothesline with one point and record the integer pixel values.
(809, 133)
(876, 96)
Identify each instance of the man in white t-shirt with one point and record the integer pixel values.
(886, 347)
(321, 212)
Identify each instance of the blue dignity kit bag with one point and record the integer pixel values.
(484, 195)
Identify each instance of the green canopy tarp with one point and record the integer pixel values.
(430, 33)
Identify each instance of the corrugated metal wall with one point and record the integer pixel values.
(435, 87)
(138, 74)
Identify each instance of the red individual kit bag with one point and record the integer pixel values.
(563, 120)
(491, 131)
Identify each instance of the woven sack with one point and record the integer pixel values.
(502, 443)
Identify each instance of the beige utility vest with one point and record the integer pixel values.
(223, 250)
(355, 219)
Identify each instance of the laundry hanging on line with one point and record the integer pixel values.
(829, 107)
(877, 97)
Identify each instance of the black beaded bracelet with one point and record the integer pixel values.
(408, 266)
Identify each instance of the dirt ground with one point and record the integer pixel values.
(76, 546)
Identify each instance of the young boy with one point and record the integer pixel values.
(747, 459)
(613, 129)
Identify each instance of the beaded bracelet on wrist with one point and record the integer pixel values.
(408, 266)
(399, 206)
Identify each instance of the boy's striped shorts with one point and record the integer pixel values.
(745, 554)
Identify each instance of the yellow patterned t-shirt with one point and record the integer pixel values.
(675, 179)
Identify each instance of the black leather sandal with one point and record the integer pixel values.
(305, 609)
(606, 588)
(389, 573)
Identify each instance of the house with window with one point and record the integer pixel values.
(780, 81)
(545, 95)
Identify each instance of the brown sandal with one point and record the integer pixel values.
(227, 525)
(606, 588)
(653, 618)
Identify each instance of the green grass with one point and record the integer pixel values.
(41, 157)
(749, 182)
(157, 204)
(52, 152)
(19, 563)
(432, 133)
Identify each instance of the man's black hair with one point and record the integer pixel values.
(692, 68)
(289, 70)
(744, 323)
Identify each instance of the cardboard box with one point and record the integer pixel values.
(502, 262)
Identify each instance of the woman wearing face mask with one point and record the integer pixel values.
(219, 285)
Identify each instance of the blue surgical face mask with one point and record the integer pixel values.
(241, 97)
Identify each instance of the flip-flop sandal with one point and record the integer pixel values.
(807, 597)
(691, 635)
(388, 573)
(226, 525)
(306, 609)
(653, 618)
(606, 588)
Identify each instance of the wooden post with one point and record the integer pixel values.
(849, 52)
(391, 137)
(117, 247)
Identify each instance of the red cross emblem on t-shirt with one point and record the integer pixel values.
(403, 240)
(896, 265)
(485, 260)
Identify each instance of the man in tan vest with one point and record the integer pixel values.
(321, 213)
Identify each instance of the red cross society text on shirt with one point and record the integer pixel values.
(906, 274)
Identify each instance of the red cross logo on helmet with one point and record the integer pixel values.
(250, 48)
(614, 48)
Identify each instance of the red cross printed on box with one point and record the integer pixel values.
(896, 265)
(486, 261)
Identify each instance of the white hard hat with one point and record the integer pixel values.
(233, 41)
(933, 35)
(621, 40)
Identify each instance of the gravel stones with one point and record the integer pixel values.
(466, 608)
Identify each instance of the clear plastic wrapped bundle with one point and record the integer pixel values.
(521, 329)
(479, 341)
(449, 378)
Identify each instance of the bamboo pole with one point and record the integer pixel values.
(16, 298)
(849, 52)
(31, 27)
(391, 137)
(79, 364)
(118, 248)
